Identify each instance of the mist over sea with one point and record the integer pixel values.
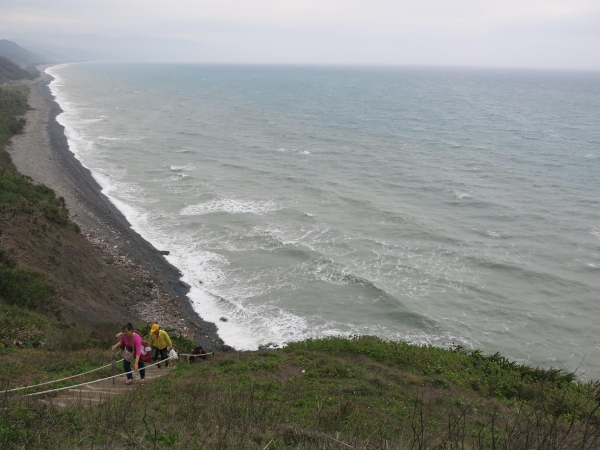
(436, 206)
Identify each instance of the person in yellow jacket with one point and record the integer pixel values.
(160, 343)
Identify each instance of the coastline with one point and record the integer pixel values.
(42, 153)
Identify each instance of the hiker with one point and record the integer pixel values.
(131, 344)
(197, 351)
(160, 343)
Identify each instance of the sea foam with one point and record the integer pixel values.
(230, 206)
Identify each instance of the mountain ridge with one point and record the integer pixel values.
(19, 55)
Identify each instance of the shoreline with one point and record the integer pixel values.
(42, 152)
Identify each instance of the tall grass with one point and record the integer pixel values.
(306, 399)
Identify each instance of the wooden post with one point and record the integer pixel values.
(114, 368)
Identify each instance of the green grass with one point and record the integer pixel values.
(25, 288)
(13, 103)
(316, 394)
(491, 376)
(35, 348)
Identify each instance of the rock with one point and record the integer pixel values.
(223, 319)
(227, 349)
(269, 346)
(184, 284)
(164, 252)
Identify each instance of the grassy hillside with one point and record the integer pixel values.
(9, 71)
(362, 393)
(19, 196)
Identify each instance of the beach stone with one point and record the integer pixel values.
(269, 346)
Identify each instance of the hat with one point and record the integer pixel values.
(154, 328)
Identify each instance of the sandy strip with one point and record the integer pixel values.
(42, 153)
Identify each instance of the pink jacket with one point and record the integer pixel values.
(133, 343)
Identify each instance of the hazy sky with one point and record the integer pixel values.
(514, 33)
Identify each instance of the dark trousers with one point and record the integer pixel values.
(163, 354)
(127, 366)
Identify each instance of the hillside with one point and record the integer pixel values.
(19, 55)
(47, 264)
(358, 393)
(9, 71)
(58, 54)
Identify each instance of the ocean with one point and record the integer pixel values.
(438, 206)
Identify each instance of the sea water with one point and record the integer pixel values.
(437, 206)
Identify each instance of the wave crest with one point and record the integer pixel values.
(230, 206)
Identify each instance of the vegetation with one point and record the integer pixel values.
(25, 288)
(327, 393)
(19, 196)
(17, 193)
(10, 71)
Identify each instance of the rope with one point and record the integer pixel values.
(96, 381)
(56, 381)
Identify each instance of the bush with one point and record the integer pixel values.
(24, 288)
(18, 325)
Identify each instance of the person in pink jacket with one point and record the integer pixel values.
(131, 344)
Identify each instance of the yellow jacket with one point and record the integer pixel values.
(161, 341)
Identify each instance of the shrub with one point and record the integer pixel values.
(24, 288)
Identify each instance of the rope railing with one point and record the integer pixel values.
(61, 379)
(96, 381)
(90, 371)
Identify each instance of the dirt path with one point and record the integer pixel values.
(93, 394)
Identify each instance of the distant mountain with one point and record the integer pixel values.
(10, 71)
(56, 53)
(87, 47)
(19, 55)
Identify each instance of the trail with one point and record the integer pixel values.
(93, 394)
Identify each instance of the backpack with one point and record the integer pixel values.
(146, 355)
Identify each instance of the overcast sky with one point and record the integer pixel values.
(511, 33)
